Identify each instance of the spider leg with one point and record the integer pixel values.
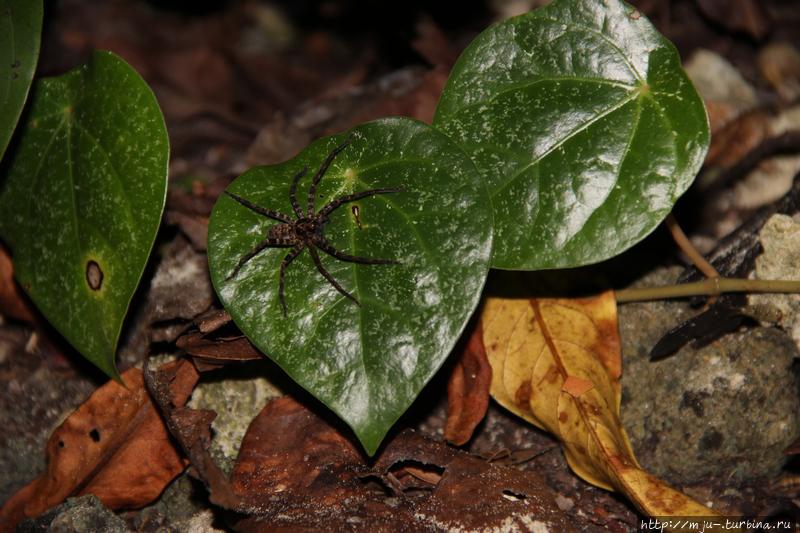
(323, 168)
(327, 275)
(266, 243)
(293, 192)
(291, 256)
(275, 215)
(335, 204)
(328, 248)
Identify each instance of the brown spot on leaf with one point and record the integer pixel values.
(552, 375)
(94, 275)
(575, 387)
(620, 463)
(523, 395)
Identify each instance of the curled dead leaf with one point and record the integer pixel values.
(115, 446)
(221, 349)
(557, 363)
(468, 390)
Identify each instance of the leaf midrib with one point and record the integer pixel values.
(598, 33)
(566, 138)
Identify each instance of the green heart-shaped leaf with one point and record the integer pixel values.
(20, 31)
(583, 125)
(82, 200)
(366, 362)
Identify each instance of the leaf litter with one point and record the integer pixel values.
(114, 446)
(557, 363)
(297, 470)
(685, 28)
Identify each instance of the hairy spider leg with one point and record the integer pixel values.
(293, 192)
(291, 256)
(328, 276)
(274, 215)
(269, 242)
(335, 204)
(323, 168)
(323, 244)
(328, 248)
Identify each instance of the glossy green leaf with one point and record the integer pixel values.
(366, 362)
(82, 199)
(20, 32)
(584, 126)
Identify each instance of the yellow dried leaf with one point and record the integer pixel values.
(556, 363)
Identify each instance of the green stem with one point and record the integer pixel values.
(707, 287)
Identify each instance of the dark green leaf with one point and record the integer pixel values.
(83, 198)
(368, 362)
(20, 30)
(583, 125)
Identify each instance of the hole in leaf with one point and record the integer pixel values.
(513, 496)
(94, 275)
(416, 475)
(95, 435)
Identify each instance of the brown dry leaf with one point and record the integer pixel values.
(114, 446)
(221, 350)
(747, 16)
(557, 363)
(738, 138)
(468, 390)
(297, 472)
(194, 227)
(13, 303)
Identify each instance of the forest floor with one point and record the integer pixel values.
(251, 83)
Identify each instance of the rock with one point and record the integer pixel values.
(237, 400)
(780, 238)
(780, 65)
(722, 87)
(86, 513)
(718, 415)
(180, 290)
(184, 507)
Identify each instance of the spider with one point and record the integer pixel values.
(307, 231)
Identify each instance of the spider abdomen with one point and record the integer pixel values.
(282, 231)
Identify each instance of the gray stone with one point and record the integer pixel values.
(780, 238)
(82, 514)
(723, 413)
(36, 397)
(718, 81)
(236, 400)
(182, 508)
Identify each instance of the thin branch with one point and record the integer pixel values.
(688, 248)
(787, 142)
(707, 287)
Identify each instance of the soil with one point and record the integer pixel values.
(246, 83)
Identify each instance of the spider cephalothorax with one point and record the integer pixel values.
(307, 231)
